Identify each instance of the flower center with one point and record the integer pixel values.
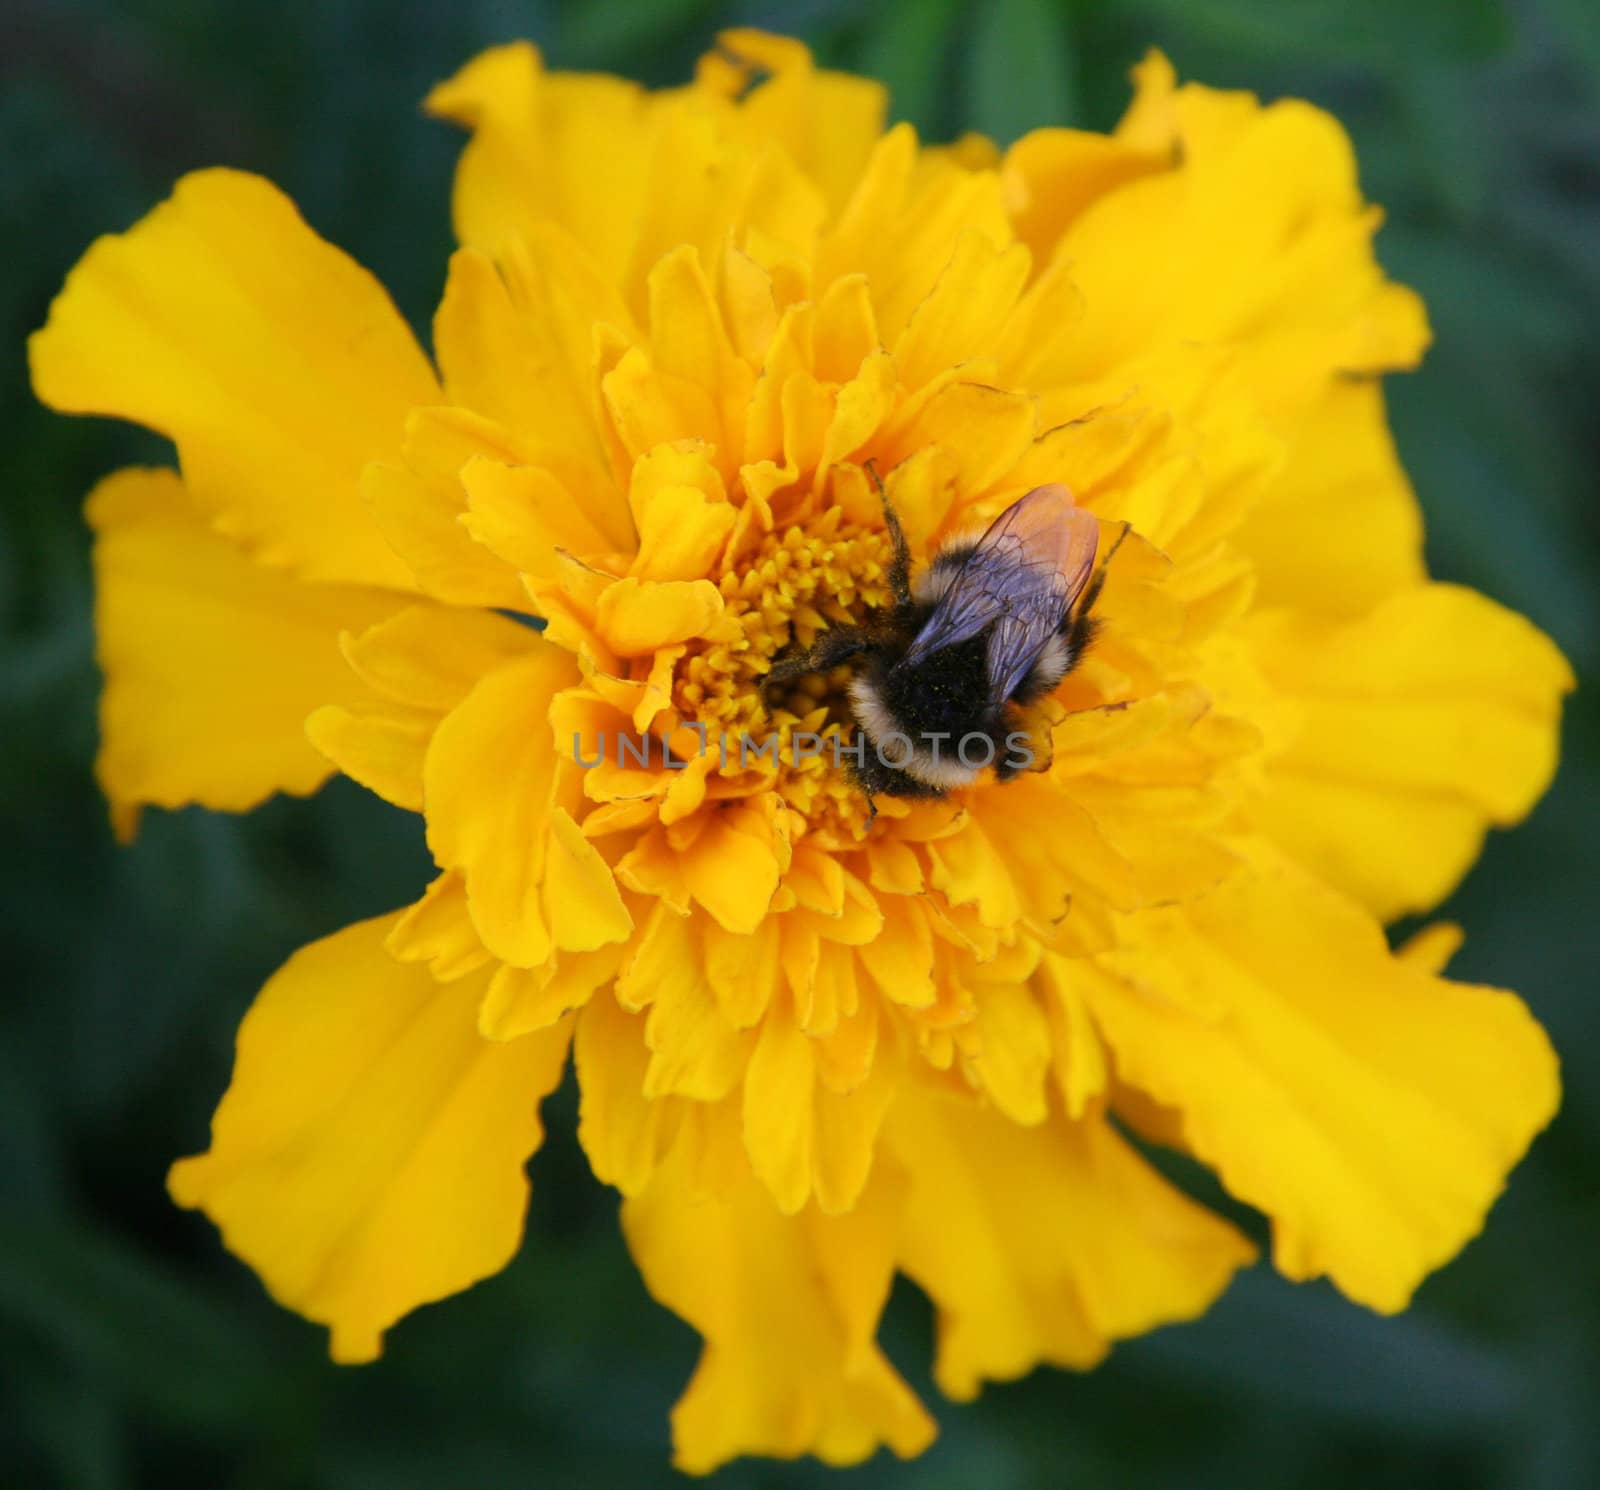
(801, 580)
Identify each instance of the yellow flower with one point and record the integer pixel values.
(813, 1049)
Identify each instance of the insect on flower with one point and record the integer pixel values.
(994, 623)
(683, 332)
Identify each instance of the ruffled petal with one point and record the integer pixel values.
(381, 746)
(1044, 1244)
(803, 1138)
(1277, 257)
(622, 1131)
(513, 350)
(388, 1172)
(788, 1307)
(1372, 1110)
(828, 122)
(212, 662)
(438, 931)
(695, 1051)
(566, 147)
(1420, 725)
(638, 616)
(418, 506)
(500, 794)
(278, 365)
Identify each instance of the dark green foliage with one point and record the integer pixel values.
(137, 1353)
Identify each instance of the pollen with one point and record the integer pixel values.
(799, 581)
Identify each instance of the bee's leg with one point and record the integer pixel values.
(900, 564)
(830, 649)
(789, 667)
(840, 645)
(1098, 583)
(1079, 632)
(1081, 626)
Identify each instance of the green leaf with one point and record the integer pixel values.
(907, 46)
(1304, 1347)
(594, 32)
(1346, 30)
(1021, 73)
(1578, 21)
(124, 1319)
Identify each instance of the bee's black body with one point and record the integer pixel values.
(931, 713)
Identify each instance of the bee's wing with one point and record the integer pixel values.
(1021, 577)
(1021, 635)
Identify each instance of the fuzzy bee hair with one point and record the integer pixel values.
(995, 621)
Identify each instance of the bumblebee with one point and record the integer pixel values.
(993, 623)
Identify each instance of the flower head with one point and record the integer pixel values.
(821, 1040)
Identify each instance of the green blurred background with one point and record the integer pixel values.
(137, 1353)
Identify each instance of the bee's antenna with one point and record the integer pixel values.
(900, 568)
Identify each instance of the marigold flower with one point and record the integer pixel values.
(815, 1050)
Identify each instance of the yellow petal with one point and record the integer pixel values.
(497, 785)
(1340, 529)
(1044, 1244)
(900, 958)
(788, 1307)
(789, 356)
(418, 504)
(637, 616)
(382, 746)
(828, 122)
(1013, 1053)
(984, 432)
(567, 147)
(212, 662)
(688, 342)
(650, 408)
(622, 1131)
(581, 902)
(437, 930)
(431, 657)
(695, 1051)
(1052, 175)
(1422, 723)
(714, 181)
(743, 971)
(653, 867)
(777, 1108)
(1082, 1068)
(1370, 1109)
(502, 356)
(681, 534)
(846, 329)
(859, 411)
(1277, 253)
(970, 870)
(521, 1001)
(527, 517)
(803, 1137)
(956, 322)
(1431, 948)
(734, 866)
(902, 224)
(278, 365)
(329, 1184)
